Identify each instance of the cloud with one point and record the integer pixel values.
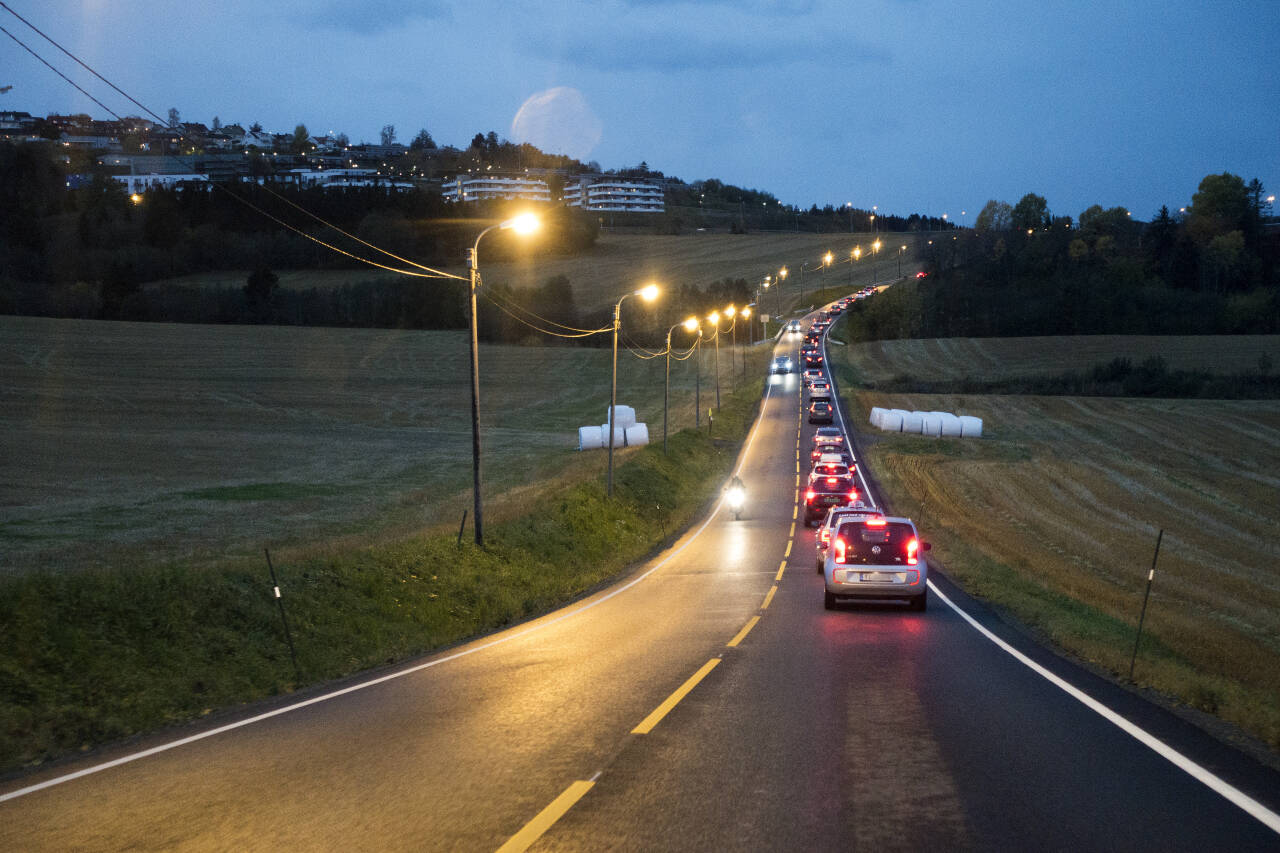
(634, 50)
(374, 17)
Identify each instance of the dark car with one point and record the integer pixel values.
(813, 358)
(781, 364)
(820, 412)
(825, 493)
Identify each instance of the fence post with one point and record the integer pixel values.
(462, 527)
(275, 587)
(1142, 617)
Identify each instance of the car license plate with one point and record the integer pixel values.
(879, 577)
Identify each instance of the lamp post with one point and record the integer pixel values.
(714, 319)
(857, 254)
(648, 293)
(826, 262)
(690, 325)
(697, 381)
(732, 313)
(746, 318)
(525, 223)
(782, 276)
(875, 260)
(900, 251)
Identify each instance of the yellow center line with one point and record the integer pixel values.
(751, 623)
(534, 829)
(781, 569)
(769, 597)
(793, 530)
(797, 481)
(795, 513)
(797, 466)
(648, 723)
(787, 553)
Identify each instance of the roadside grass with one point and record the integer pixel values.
(1052, 516)
(94, 656)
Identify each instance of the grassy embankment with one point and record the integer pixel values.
(1052, 516)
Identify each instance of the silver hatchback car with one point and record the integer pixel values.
(876, 558)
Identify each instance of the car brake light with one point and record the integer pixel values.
(825, 536)
(840, 548)
(831, 481)
(808, 496)
(853, 494)
(875, 522)
(913, 548)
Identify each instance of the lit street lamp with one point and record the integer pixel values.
(782, 276)
(648, 293)
(746, 318)
(690, 325)
(525, 223)
(900, 251)
(732, 314)
(714, 319)
(875, 260)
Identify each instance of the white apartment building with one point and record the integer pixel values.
(495, 187)
(141, 183)
(614, 195)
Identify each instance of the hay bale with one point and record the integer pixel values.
(970, 427)
(950, 425)
(876, 413)
(619, 436)
(590, 438)
(626, 416)
(930, 423)
(911, 422)
(891, 421)
(637, 435)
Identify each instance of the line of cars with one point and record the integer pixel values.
(862, 553)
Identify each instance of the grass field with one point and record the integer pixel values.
(1053, 514)
(621, 261)
(127, 442)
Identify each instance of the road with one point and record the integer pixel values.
(706, 702)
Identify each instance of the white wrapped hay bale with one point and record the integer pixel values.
(930, 423)
(970, 427)
(637, 435)
(912, 421)
(619, 436)
(891, 421)
(626, 416)
(590, 438)
(876, 413)
(950, 425)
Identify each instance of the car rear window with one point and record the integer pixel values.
(876, 546)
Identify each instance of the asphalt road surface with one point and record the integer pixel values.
(706, 702)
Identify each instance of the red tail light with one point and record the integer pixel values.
(825, 536)
(913, 549)
(875, 522)
(808, 496)
(853, 495)
(840, 547)
(831, 481)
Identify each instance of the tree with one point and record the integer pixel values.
(422, 142)
(994, 216)
(1032, 211)
(388, 134)
(1096, 222)
(301, 142)
(217, 125)
(1220, 205)
(256, 127)
(174, 119)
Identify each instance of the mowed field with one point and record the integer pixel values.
(624, 260)
(130, 442)
(942, 359)
(1061, 501)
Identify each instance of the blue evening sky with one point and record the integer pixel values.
(911, 105)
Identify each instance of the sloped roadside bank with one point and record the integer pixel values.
(95, 657)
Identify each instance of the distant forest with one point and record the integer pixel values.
(1212, 269)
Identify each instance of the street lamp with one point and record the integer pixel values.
(648, 293)
(525, 223)
(690, 325)
(900, 251)
(746, 318)
(714, 319)
(732, 313)
(782, 276)
(826, 262)
(875, 260)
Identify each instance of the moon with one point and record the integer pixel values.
(558, 121)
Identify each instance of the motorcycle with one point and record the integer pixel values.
(736, 497)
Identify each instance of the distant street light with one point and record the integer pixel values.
(875, 257)
(782, 276)
(525, 223)
(732, 313)
(648, 293)
(714, 319)
(690, 325)
(746, 318)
